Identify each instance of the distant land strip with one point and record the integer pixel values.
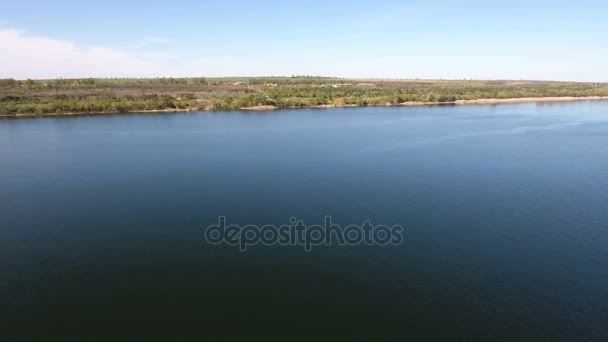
(19, 98)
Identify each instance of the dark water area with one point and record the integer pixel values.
(505, 210)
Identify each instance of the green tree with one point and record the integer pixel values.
(9, 82)
(29, 84)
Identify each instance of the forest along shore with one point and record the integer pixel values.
(103, 96)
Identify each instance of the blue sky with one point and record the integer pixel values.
(556, 40)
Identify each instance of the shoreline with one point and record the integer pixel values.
(531, 99)
(273, 108)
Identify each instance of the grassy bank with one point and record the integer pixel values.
(48, 97)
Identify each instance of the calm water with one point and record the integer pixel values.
(505, 210)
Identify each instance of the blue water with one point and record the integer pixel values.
(505, 210)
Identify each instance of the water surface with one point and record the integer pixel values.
(505, 210)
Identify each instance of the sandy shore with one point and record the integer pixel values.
(530, 99)
(407, 104)
(260, 108)
(459, 102)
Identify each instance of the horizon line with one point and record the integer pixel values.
(312, 76)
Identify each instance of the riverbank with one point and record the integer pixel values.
(458, 102)
(107, 96)
(272, 108)
(530, 99)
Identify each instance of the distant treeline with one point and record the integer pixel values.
(91, 95)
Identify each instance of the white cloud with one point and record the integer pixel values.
(24, 56)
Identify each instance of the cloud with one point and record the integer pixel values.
(25, 56)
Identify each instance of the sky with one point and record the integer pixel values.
(433, 39)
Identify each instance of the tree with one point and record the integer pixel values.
(9, 82)
(29, 84)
